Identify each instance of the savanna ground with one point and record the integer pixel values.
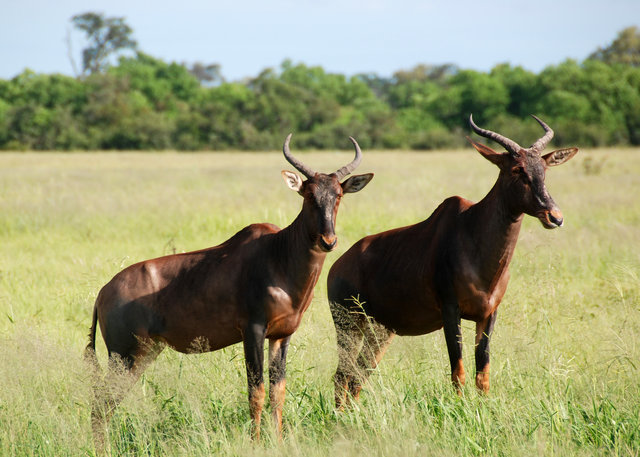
(565, 354)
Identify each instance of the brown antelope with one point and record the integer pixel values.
(454, 265)
(252, 287)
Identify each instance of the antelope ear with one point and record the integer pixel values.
(488, 153)
(559, 157)
(293, 181)
(356, 183)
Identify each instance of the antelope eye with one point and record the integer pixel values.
(518, 170)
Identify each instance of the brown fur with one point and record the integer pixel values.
(252, 287)
(454, 265)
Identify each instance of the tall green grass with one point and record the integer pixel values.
(565, 354)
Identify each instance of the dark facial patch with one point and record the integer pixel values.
(530, 190)
(535, 173)
(322, 193)
(534, 166)
(323, 187)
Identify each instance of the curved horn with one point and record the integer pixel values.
(347, 169)
(302, 168)
(539, 145)
(505, 142)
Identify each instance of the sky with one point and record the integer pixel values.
(342, 36)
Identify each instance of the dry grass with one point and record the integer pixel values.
(565, 370)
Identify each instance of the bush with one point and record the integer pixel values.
(145, 103)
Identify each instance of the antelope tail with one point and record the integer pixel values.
(90, 350)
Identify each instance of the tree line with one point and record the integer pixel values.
(143, 103)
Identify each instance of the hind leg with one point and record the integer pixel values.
(376, 341)
(253, 341)
(123, 372)
(349, 339)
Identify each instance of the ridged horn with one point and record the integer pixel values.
(302, 168)
(505, 142)
(348, 169)
(539, 145)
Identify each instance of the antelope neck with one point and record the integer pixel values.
(299, 244)
(496, 226)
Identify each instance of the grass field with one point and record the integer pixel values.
(565, 353)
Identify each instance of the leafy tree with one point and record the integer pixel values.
(218, 118)
(379, 85)
(145, 103)
(522, 86)
(588, 97)
(480, 94)
(337, 87)
(207, 73)
(161, 83)
(106, 36)
(629, 103)
(625, 49)
(30, 127)
(424, 72)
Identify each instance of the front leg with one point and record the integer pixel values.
(253, 340)
(277, 379)
(453, 336)
(484, 329)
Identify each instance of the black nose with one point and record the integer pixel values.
(328, 244)
(556, 217)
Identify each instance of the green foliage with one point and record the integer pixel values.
(106, 36)
(480, 94)
(522, 86)
(146, 103)
(162, 84)
(625, 49)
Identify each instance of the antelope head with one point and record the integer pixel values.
(523, 170)
(322, 194)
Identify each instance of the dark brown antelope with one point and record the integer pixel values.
(252, 287)
(454, 265)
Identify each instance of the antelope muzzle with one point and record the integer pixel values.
(551, 218)
(328, 242)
